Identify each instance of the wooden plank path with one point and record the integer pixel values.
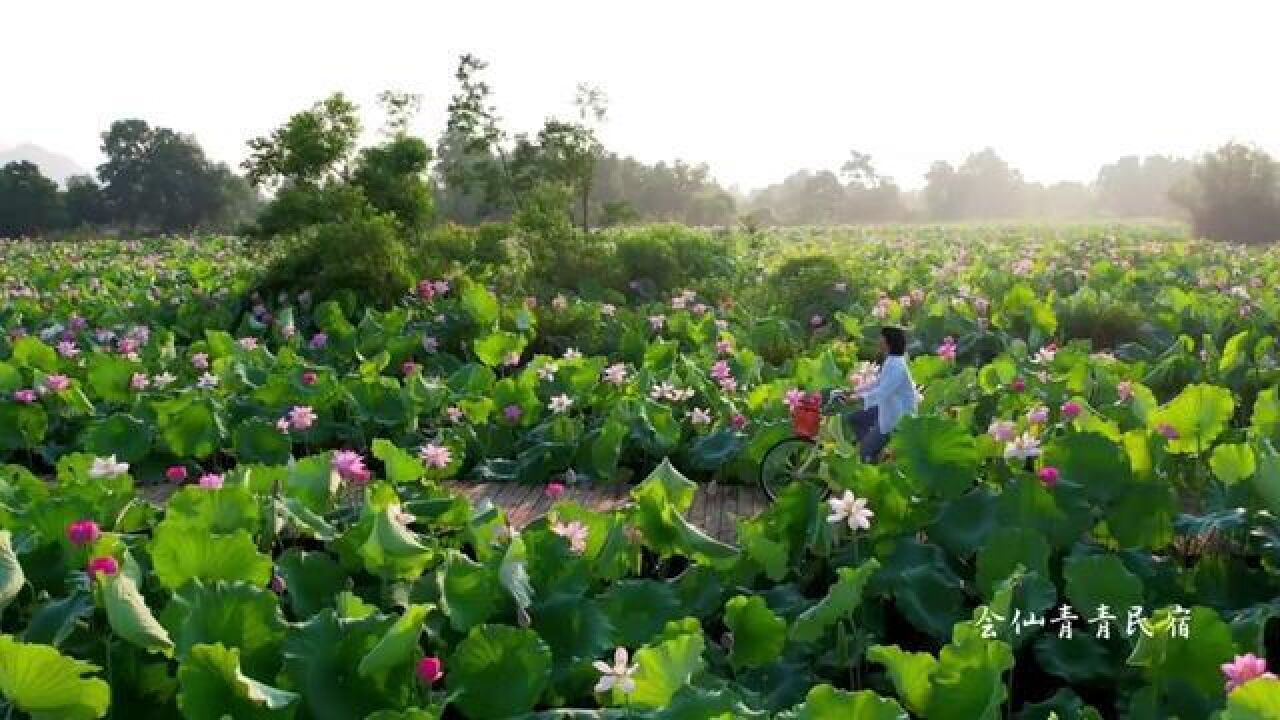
(715, 509)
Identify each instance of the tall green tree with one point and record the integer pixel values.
(1233, 195)
(29, 202)
(84, 202)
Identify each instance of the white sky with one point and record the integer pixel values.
(755, 89)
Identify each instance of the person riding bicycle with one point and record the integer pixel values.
(891, 397)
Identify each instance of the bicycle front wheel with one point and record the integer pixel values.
(795, 459)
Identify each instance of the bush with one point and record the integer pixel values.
(671, 257)
(804, 286)
(363, 255)
(1234, 196)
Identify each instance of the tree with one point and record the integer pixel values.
(1232, 195)
(943, 192)
(473, 129)
(29, 202)
(984, 187)
(84, 202)
(311, 147)
(160, 178)
(1139, 187)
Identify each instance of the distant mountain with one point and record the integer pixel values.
(54, 166)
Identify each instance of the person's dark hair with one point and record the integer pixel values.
(895, 338)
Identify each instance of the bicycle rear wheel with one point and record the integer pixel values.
(792, 460)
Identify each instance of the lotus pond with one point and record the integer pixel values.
(217, 504)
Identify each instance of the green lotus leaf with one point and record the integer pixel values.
(1258, 699)
(968, 682)
(180, 555)
(1232, 463)
(498, 671)
(260, 441)
(321, 657)
(130, 617)
(663, 669)
(124, 436)
(1005, 550)
(1199, 413)
(214, 687)
(312, 579)
(758, 634)
(825, 702)
(842, 599)
(638, 609)
(236, 615)
(910, 673)
(469, 591)
(399, 646)
(1193, 657)
(937, 454)
(48, 685)
(493, 349)
(392, 550)
(109, 377)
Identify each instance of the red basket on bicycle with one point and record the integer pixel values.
(806, 415)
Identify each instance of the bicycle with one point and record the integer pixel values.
(799, 458)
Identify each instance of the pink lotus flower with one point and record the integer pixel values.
(720, 370)
(724, 347)
(454, 413)
(793, 397)
(575, 532)
(555, 490)
(1018, 385)
(249, 343)
(278, 585)
(83, 532)
(738, 421)
(1048, 475)
(211, 481)
(318, 341)
(25, 396)
(442, 287)
(512, 413)
(430, 344)
(435, 456)
(1002, 431)
(560, 403)
(139, 381)
(700, 416)
(309, 377)
(350, 467)
(283, 425)
(559, 302)
(426, 290)
(1243, 669)
(409, 367)
(200, 361)
(68, 349)
(176, 473)
(816, 321)
(429, 670)
(1038, 415)
(302, 417)
(656, 322)
(57, 383)
(1071, 410)
(615, 374)
(1168, 431)
(512, 359)
(1124, 391)
(947, 350)
(105, 565)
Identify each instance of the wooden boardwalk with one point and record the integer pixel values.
(715, 509)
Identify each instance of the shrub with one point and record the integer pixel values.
(804, 286)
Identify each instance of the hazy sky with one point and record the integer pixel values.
(755, 89)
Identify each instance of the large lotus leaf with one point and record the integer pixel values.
(29, 352)
(1092, 462)
(695, 703)
(910, 672)
(304, 520)
(53, 622)
(1062, 705)
(1143, 516)
(1234, 352)
(22, 426)
(1199, 413)
(1005, 550)
(124, 436)
(399, 646)
(1080, 658)
(393, 551)
(968, 683)
(938, 454)
(258, 441)
(236, 615)
(714, 450)
(329, 317)
(1167, 655)
(313, 481)
(189, 428)
(180, 555)
(638, 609)
(48, 685)
(1095, 581)
(479, 304)
(513, 574)
(825, 702)
(608, 548)
(312, 579)
(321, 657)
(1062, 513)
(493, 349)
(1258, 699)
(964, 523)
(469, 591)
(605, 447)
(573, 626)
(841, 600)
(130, 617)
(498, 672)
(1232, 463)
(924, 588)
(402, 467)
(1266, 481)
(10, 378)
(1265, 420)
(661, 499)
(214, 687)
(221, 511)
(12, 578)
(758, 634)
(381, 400)
(664, 668)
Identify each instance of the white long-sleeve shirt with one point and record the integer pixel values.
(893, 394)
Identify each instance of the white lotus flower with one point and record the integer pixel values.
(107, 467)
(851, 509)
(617, 676)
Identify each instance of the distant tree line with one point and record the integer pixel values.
(154, 180)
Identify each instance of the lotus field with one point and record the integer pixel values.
(220, 504)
